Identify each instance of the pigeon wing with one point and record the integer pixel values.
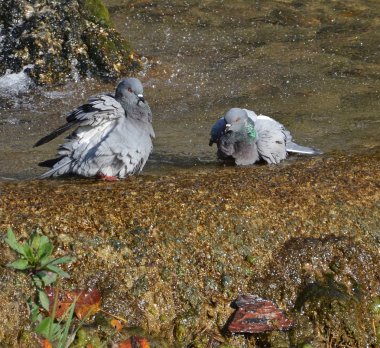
(291, 146)
(271, 140)
(98, 110)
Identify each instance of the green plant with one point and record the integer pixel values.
(57, 333)
(35, 257)
(60, 333)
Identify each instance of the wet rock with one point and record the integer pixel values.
(275, 231)
(226, 281)
(331, 290)
(86, 338)
(62, 40)
(13, 301)
(283, 16)
(256, 315)
(327, 300)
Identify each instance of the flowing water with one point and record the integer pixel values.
(312, 65)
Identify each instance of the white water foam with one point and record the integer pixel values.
(12, 84)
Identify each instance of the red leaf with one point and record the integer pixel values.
(255, 315)
(85, 301)
(134, 342)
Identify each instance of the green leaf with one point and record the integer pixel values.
(44, 300)
(45, 249)
(44, 261)
(63, 259)
(37, 281)
(28, 253)
(20, 264)
(35, 315)
(44, 327)
(69, 320)
(13, 243)
(34, 241)
(49, 329)
(44, 240)
(57, 270)
(46, 277)
(50, 261)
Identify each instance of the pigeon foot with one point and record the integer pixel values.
(107, 177)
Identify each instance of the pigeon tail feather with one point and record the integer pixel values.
(54, 134)
(58, 169)
(295, 148)
(50, 162)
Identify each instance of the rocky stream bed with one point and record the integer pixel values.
(170, 253)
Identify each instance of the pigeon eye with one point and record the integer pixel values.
(129, 89)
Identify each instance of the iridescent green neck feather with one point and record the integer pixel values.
(251, 131)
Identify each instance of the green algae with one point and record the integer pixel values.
(375, 306)
(87, 337)
(98, 10)
(330, 300)
(173, 266)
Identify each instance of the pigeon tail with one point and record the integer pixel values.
(58, 169)
(54, 134)
(50, 162)
(295, 148)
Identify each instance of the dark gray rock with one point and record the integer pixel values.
(62, 40)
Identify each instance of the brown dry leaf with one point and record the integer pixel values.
(117, 324)
(134, 342)
(86, 301)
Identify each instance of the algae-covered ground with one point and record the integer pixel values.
(170, 253)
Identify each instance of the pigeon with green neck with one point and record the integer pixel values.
(246, 138)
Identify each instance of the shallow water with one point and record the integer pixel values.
(314, 66)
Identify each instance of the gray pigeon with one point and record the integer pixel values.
(113, 138)
(246, 138)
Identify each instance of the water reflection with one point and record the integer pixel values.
(314, 66)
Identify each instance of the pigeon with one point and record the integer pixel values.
(113, 139)
(246, 138)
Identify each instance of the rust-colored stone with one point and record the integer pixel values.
(255, 315)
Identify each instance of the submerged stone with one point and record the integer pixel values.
(62, 40)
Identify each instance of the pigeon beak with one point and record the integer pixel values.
(140, 98)
(228, 125)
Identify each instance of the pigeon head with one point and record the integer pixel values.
(237, 121)
(130, 91)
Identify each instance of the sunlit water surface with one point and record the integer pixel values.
(314, 66)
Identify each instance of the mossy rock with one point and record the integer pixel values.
(157, 262)
(97, 10)
(327, 283)
(338, 315)
(62, 40)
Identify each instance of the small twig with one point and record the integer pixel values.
(374, 327)
(113, 315)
